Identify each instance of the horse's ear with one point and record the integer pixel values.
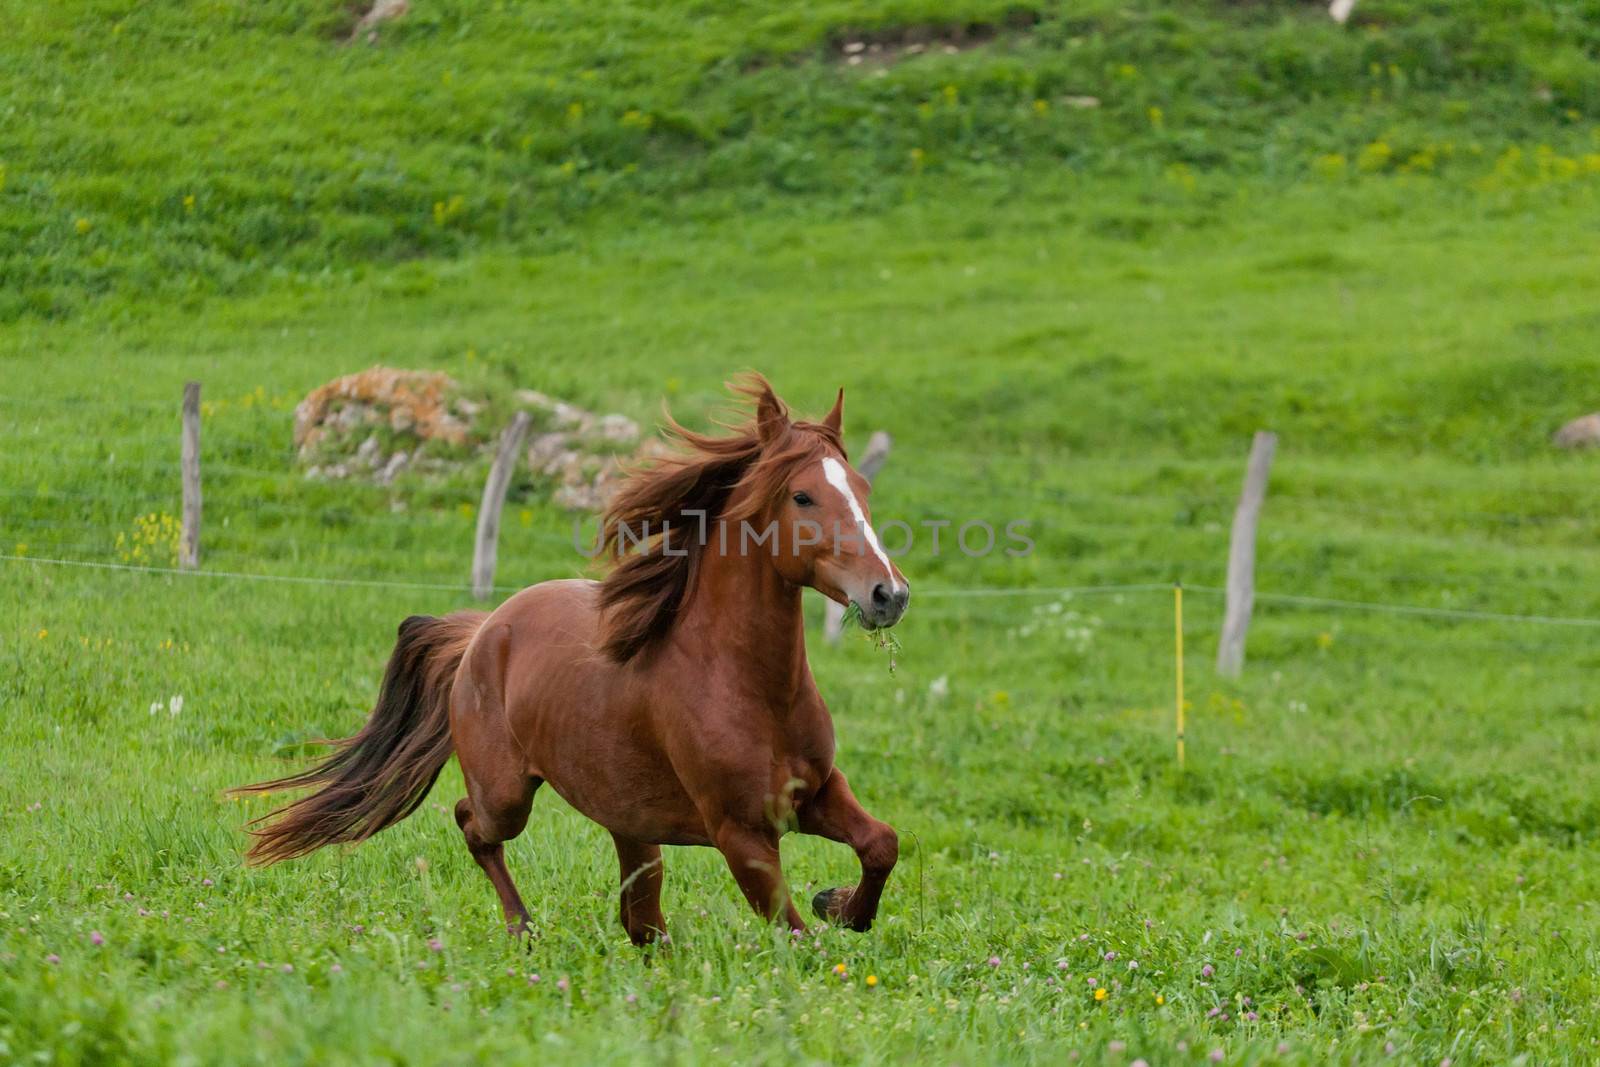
(835, 418)
(771, 417)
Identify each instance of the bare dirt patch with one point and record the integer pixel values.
(365, 18)
(886, 45)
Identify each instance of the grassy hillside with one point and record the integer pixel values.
(1376, 240)
(168, 151)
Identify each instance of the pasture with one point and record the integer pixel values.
(1381, 848)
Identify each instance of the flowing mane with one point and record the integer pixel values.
(640, 597)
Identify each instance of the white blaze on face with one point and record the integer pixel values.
(839, 478)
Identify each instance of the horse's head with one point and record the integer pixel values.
(818, 505)
(777, 489)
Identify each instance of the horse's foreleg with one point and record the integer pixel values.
(752, 856)
(641, 890)
(835, 813)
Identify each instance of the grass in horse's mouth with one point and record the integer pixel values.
(881, 637)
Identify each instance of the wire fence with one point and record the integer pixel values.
(975, 593)
(266, 522)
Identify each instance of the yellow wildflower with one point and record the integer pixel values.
(1375, 156)
(1330, 164)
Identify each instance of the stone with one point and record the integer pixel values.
(617, 430)
(396, 464)
(349, 417)
(1582, 432)
(532, 398)
(578, 498)
(544, 450)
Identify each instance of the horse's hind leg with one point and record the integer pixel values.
(835, 813)
(488, 819)
(499, 788)
(641, 890)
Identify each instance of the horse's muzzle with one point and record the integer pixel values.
(887, 605)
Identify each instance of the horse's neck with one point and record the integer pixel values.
(746, 618)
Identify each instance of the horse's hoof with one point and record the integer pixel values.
(649, 937)
(829, 906)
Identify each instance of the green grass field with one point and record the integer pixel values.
(1377, 241)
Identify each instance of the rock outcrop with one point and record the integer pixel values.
(380, 422)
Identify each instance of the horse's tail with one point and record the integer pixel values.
(382, 774)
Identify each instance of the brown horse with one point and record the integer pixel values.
(671, 702)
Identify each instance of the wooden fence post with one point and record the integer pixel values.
(1242, 556)
(494, 498)
(872, 461)
(189, 545)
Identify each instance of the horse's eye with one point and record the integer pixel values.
(803, 499)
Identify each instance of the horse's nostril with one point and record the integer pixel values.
(880, 596)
